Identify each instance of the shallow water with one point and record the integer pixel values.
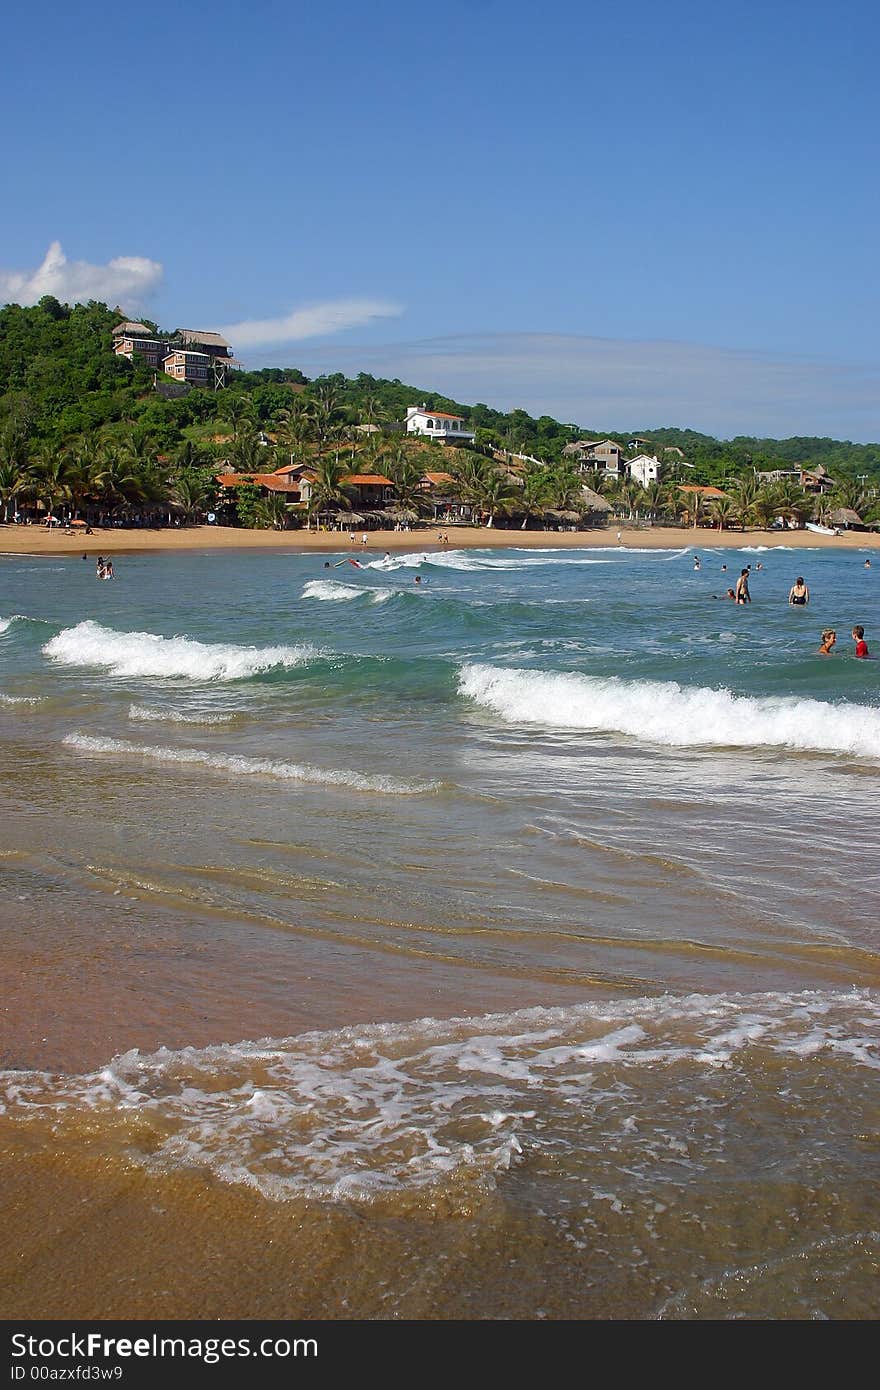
(531, 910)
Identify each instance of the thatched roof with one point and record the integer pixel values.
(845, 516)
(594, 501)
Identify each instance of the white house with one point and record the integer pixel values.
(644, 469)
(436, 424)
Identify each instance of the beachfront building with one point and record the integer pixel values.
(136, 340)
(438, 425)
(597, 456)
(815, 480)
(193, 368)
(644, 469)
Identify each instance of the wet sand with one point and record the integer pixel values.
(36, 540)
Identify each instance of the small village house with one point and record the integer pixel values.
(133, 340)
(644, 469)
(597, 455)
(193, 368)
(438, 425)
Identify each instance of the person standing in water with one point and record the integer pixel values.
(742, 588)
(858, 634)
(799, 594)
(829, 637)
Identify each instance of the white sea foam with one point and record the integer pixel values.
(335, 591)
(362, 1111)
(145, 714)
(673, 715)
(19, 699)
(242, 766)
(146, 654)
(477, 560)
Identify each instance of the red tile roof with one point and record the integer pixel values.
(367, 478)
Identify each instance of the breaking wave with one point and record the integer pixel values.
(335, 591)
(362, 1112)
(472, 560)
(673, 715)
(247, 767)
(146, 654)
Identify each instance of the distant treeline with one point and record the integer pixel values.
(59, 379)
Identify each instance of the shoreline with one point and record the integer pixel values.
(34, 540)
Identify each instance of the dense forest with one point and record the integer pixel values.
(69, 406)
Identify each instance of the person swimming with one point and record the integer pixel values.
(829, 637)
(729, 594)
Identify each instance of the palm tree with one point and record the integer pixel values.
(765, 508)
(564, 487)
(536, 492)
(51, 472)
(13, 480)
(793, 503)
(329, 492)
(193, 495)
(692, 506)
(247, 454)
(238, 411)
(723, 510)
(495, 492)
(116, 478)
(745, 493)
(406, 474)
(655, 497)
(272, 512)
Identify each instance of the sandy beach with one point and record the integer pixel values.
(36, 540)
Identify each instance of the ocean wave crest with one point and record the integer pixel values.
(247, 767)
(475, 560)
(147, 654)
(336, 591)
(663, 712)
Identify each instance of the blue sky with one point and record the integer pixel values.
(627, 216)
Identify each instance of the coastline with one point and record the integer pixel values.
(35, 540)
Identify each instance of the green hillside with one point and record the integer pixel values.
(59, 380)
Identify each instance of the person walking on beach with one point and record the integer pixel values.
(829, 638)
(799, 594)
(858, 634)
(742, 588)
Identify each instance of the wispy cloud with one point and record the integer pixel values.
(622, 384)
(126, 280)
(313, 321)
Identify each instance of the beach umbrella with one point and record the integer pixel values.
(78, 523)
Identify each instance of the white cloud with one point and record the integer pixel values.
(312, 322)
(620, 384)
(125, 280)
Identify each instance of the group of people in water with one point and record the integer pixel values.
(798, 597)
(829, 641)
(104, 568)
